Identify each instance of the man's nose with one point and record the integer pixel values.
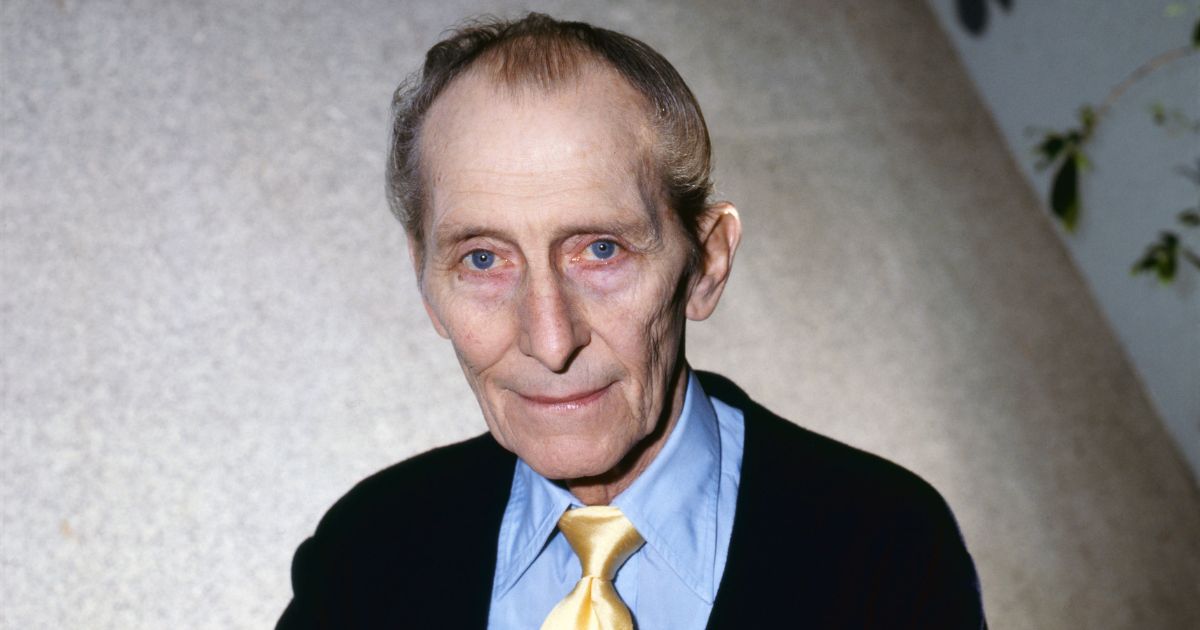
(552, 327)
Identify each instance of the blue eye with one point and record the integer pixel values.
(480, 259)
(603, 250)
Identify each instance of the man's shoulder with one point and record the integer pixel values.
(382, 554)
(803, 463)
(434, 483)
(840, 500)
(877, 542)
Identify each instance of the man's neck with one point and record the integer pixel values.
(602, 489)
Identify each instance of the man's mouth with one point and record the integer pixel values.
(565, 402)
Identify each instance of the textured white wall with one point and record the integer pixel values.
(210, 331)
(1034, 66)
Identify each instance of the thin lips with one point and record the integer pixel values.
(560, 400)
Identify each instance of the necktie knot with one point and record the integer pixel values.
(603, 539)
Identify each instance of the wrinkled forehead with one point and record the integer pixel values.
(482, 132)
(474, 105)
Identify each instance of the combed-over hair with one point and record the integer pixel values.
(539, 51)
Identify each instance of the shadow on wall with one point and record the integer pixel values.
(973, 14)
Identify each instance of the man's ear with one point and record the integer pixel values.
(415, 252)
(720, 233)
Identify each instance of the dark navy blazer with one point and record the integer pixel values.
(825, 536)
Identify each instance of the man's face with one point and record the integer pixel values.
(562, 294)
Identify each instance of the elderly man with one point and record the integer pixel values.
(553, 180)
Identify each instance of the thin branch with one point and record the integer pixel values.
(1143, 70)
(1191, 256)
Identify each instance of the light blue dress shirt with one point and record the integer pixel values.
(682, 504)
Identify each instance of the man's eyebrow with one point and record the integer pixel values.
(448, 234)
(641, 231)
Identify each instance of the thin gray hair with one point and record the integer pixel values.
(540, 51)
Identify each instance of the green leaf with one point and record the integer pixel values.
(1087, 120)
(1050, 148)
(1196, 35)
(1190, 218)
(1161, 258)
(1173, 119)
(1064, 193)
(1158, 112)
(1166, 268)
(1143, 264)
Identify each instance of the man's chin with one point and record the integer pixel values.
(571, 464)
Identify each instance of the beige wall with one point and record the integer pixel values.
(210, 331)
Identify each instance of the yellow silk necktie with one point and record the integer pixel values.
(603, 539)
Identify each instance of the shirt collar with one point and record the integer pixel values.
(673, 503)
(534, 506)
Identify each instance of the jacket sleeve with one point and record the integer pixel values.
(933, 578)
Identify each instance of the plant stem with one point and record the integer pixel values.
(1191, 257)
(1139, 74)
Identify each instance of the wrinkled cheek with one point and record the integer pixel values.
(647, 339)
(663, 332)
(479, 332)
